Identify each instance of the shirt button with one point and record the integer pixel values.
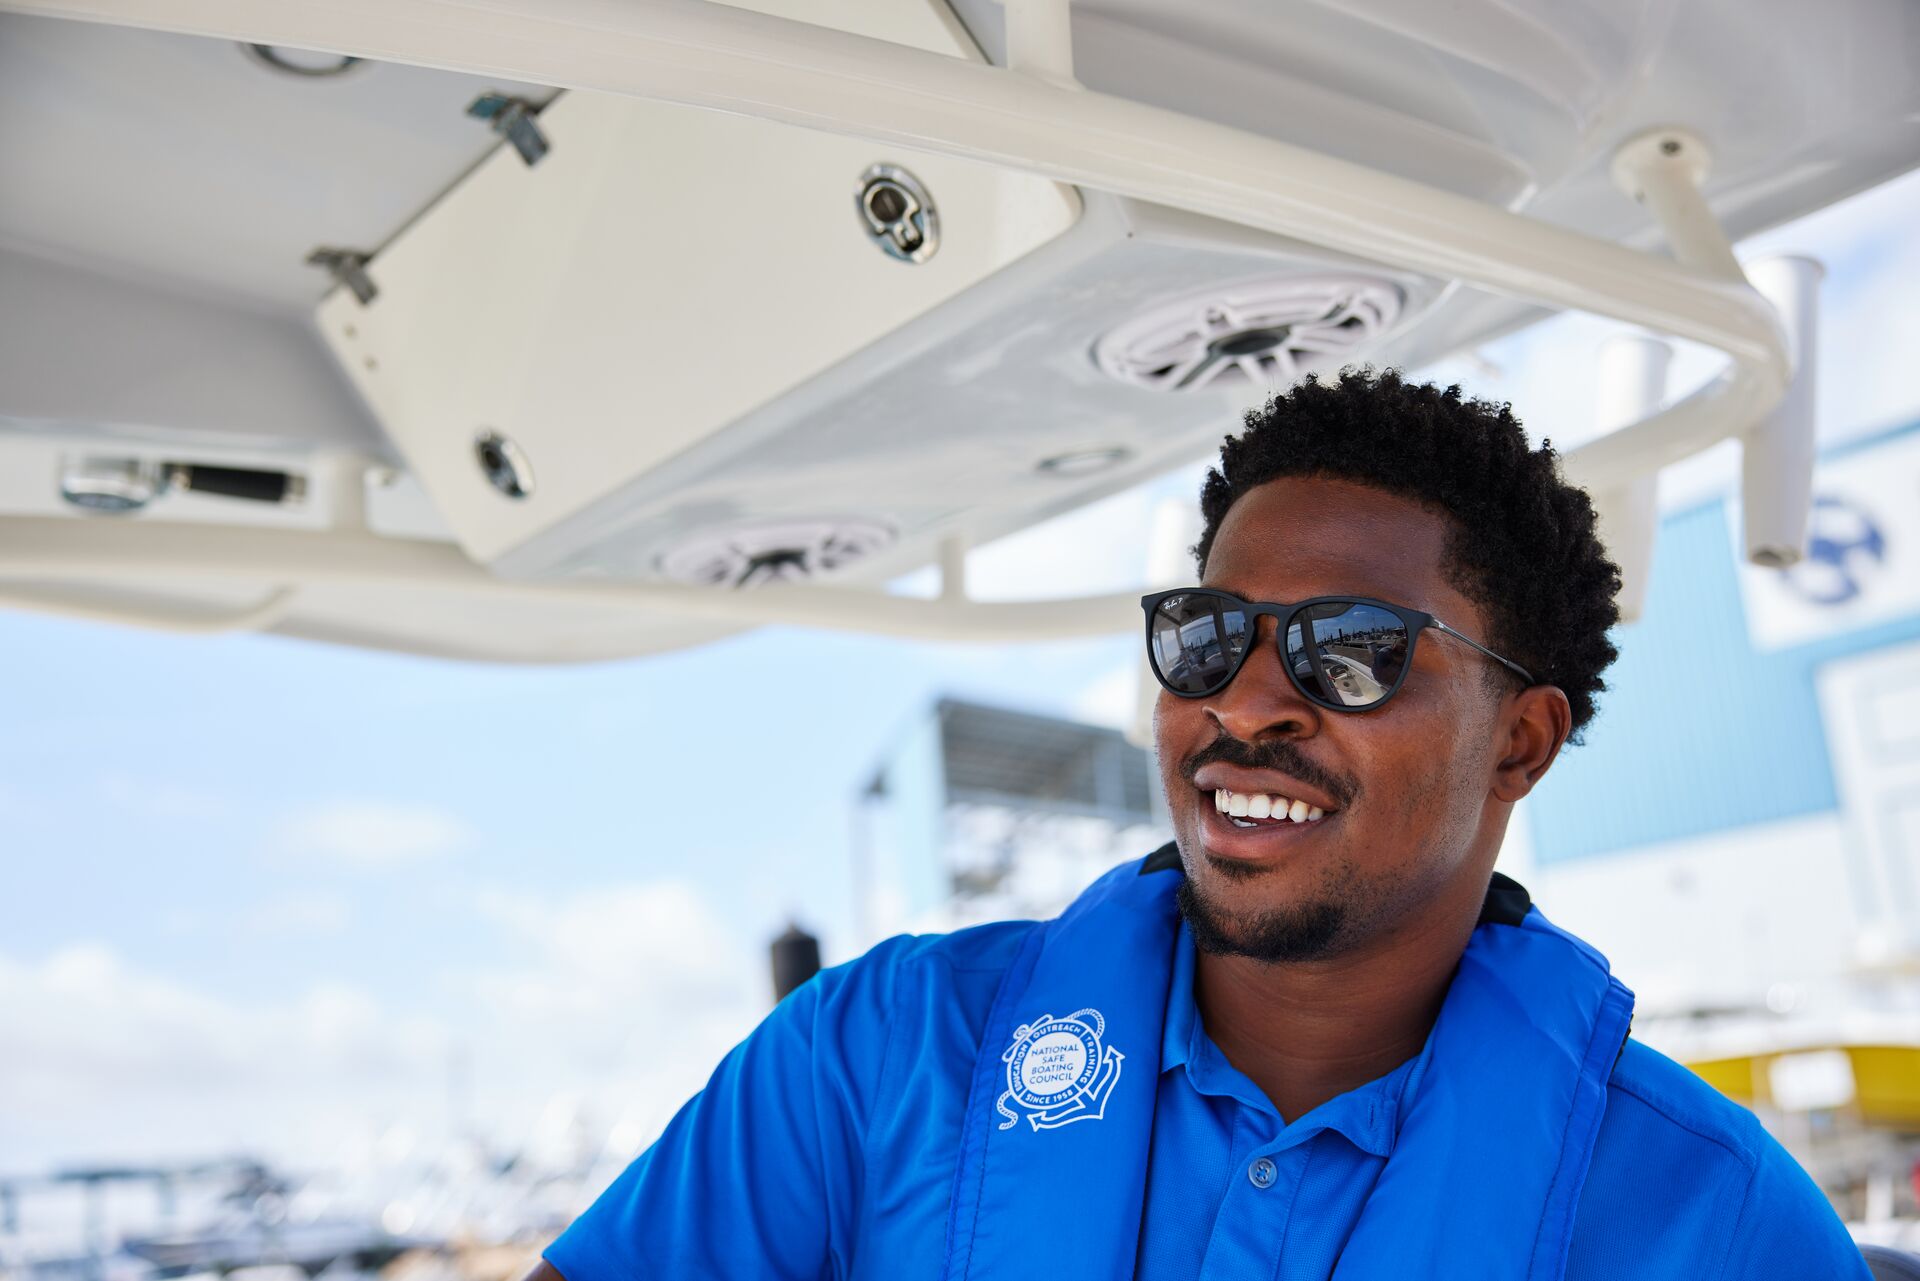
(1261, 1172)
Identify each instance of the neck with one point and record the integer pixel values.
(1307, 1031)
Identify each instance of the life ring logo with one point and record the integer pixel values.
(1059, 1071)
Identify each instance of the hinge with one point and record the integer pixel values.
(347, 267)
(513, 119)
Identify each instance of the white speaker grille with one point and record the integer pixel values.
(1251, 333)
(772, 551)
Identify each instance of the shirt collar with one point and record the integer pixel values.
(1368, 1115)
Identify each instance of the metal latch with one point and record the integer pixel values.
(513, 119)
(347, 267)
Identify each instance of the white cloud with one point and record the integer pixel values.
(106, 1061)
(621, 998)
(628, 995)
(355, 831)
(648, 950)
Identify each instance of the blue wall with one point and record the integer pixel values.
(1698, 732)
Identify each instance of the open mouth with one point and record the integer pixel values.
(1264, 809)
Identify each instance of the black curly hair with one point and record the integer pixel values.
(1523, 545)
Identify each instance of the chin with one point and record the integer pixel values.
(1231, 916)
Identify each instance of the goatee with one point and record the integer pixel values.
(1304, 932)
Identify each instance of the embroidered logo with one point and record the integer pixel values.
(1058, 1071)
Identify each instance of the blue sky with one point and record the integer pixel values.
(257, 893)
(159, 785)
(247, 821)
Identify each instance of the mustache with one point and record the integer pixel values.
(1280, 755)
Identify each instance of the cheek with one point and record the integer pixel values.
(1436, 810)
(1418, 797)
(1170, 732)
(1178, 730)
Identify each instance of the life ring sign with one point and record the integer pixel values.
(1058, 1071)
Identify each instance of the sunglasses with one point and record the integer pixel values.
(1347, 653)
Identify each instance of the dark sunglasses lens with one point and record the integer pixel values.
(1356, 655)
(1195, 641)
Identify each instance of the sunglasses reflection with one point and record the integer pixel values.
(1196, 642)
(1346, 654)
(1356, 657)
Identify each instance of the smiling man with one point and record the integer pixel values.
(1317, 1035)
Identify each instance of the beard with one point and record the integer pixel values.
(1308, 930)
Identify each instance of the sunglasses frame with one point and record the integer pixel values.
(1414, 620)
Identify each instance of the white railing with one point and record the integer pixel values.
(1030, 116)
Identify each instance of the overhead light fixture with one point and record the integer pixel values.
(122, 485)
(117, 485)
(1083, 462)
(307, 63)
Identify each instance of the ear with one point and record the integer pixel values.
(1535, 724)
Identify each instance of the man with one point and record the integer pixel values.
(1317, 1036)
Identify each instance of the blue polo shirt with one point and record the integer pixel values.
(1232, 1189)
(826, 1146)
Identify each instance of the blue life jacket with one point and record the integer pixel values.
(1490, 1157)
(980, 1106)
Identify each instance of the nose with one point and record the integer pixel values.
(1260, 702)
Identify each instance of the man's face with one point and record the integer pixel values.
(1405, 786)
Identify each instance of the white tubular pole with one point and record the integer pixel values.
(1633, 382)
(710, 55)
(1776, 464)
(340, 482)
(188, 621)
(1040, 39)
(52, 550)
(1663, 169)
(953, 568)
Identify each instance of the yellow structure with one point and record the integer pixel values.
(1886, 1079)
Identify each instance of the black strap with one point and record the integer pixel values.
(1507, 899)
(1164, 859)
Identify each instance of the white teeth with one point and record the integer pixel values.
(1257, 805)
